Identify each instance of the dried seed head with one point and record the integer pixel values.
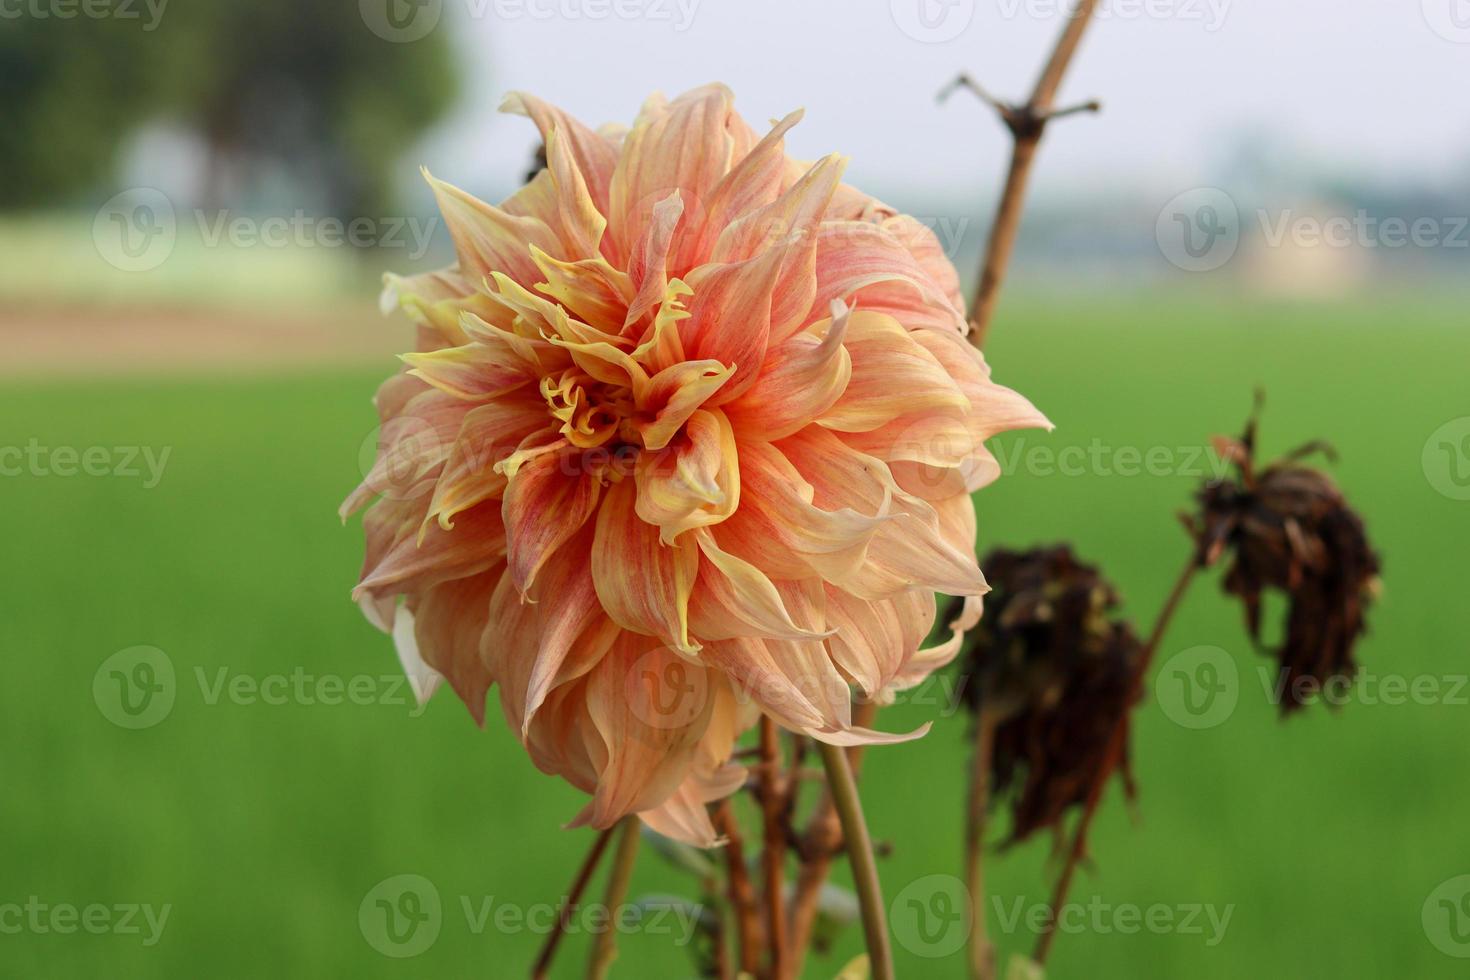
(1289, 528)
(1052, 669)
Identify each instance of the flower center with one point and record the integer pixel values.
(591, 412)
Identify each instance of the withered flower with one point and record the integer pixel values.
(1289, 528)
(1051, 667)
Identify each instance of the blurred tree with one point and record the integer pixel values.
(72, 90)
(273, 88)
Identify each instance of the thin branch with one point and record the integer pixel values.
(606, 948)
(1117, 744)
(741, 891)
(773, 854)
(860, 856)
(1027, 123)
(542, 966)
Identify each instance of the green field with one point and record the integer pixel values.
(263, 826)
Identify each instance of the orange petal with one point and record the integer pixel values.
(476, 543)
(751, 184)
(566, 609)
(582, 224)
(449, 619)
(801, 379)
(547, 501)
(893, 377)
(488, 435)
(674, 394)
(694, 482)
(730, 315)
(909, 550)
(795, 215)
(592, 290)
(644, 585)
(487, 239)
(649, 707)
(734, 598)
(685, 145)
(595, 156)
(858, 258)
(649, 263)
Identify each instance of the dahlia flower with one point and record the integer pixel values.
(688, 435)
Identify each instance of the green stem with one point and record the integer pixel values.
(860, 854)
(606, 948)
(982, 953)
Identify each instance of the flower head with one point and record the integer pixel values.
(689, 432)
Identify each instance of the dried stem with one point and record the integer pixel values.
(819, 845)
(741, 891)
(982, 952)
(606, 948)
(579, 884)
(773, 854)
(1027, 124)
(860, 855)
(1117, 744)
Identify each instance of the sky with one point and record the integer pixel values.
(1371, 89)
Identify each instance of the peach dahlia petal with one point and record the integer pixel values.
(688, 436)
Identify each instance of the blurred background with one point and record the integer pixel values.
(210, 760)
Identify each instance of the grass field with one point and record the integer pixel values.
(262, 827)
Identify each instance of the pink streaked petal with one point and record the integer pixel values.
(474, 372)
(650, 707)
(546, 502)
(909, 550)
(449, 619)
(734, 598)
(487, 239)
(930, 659)
(595, 156)
(685, 145)
(754, 182)
(412, 445)
(795, 215)
(412, 564)
(893, 377)
(643, 584)
(695, 481)
(649, 263)
(592, 290)
(488, 435)
(730, 315)
(855, 255)
(801, 379)
(667, 399)
(567, 613)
